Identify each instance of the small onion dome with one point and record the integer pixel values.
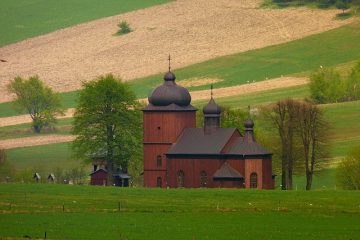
(170, 93)
(249, 123)
(212, 108)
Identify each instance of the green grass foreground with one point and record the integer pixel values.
(115, 213)
(22, 19)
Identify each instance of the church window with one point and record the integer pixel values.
(203, 179)
(253, 180)
(181, 178)
(159, 182)
(158, 161)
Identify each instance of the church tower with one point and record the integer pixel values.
(168, 113)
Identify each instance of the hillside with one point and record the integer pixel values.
(192, 31)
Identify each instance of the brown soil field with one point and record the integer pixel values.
(191, 31)
(34, 141)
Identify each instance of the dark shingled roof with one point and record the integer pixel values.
(247, 148)
(195, 141)
(227, 172)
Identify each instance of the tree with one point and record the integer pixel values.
(283, 116)
(352, 84)
(326, 86)
(343, 5)
(38, 100)
(107, 120)
(348, 172)
(312, 128)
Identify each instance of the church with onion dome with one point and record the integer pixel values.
(178, 154)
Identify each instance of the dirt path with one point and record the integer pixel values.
(34, 141)
(196, 95)
(192, 31)
(8, 121)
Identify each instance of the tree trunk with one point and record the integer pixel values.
(309, 176)
(37, 128)
(283, 180)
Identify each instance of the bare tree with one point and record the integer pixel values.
(283, 116)
(312, 132)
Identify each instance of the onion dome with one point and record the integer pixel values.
(249, 123)
(212, 108)
(170, 93)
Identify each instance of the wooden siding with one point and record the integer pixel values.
(99, 178)
(161, 130)
(254, 165)
(192, 169)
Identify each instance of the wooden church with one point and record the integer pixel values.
(177, 154)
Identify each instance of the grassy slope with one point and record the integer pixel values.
(176, 213)
(327, 49)
(28, 18)
(43, 159)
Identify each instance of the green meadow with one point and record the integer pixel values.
(88, 212)
(22, 19)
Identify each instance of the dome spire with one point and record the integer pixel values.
(249, 128)
(169, 62)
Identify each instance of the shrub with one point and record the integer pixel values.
(124, 28)
(348, 172)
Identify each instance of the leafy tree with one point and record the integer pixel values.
(6, 169)
(348, 172)
(343, 5)
(312, 129)
(107, 120)
(326, 86)
(39, 101)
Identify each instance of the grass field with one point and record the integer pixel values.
(23, 19)
(176, 213)
(63, 127)
(43, 159)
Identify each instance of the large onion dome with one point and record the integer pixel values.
(170, 93)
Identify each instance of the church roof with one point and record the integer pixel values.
(227, 172)
(169, 96)
(247, 148)
(193, 141)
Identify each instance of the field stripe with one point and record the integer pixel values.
(35, 141)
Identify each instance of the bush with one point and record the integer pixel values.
(124, 28)
(348, 172)
(326, 86)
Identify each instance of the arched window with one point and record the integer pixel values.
(253, 180)
(159, 161)
(159, 182)
(203, 179)
(181, 178)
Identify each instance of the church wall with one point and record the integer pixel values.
(268, 181)
(192, 169)
(161, 129)
(253, 165)
(166, 126)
